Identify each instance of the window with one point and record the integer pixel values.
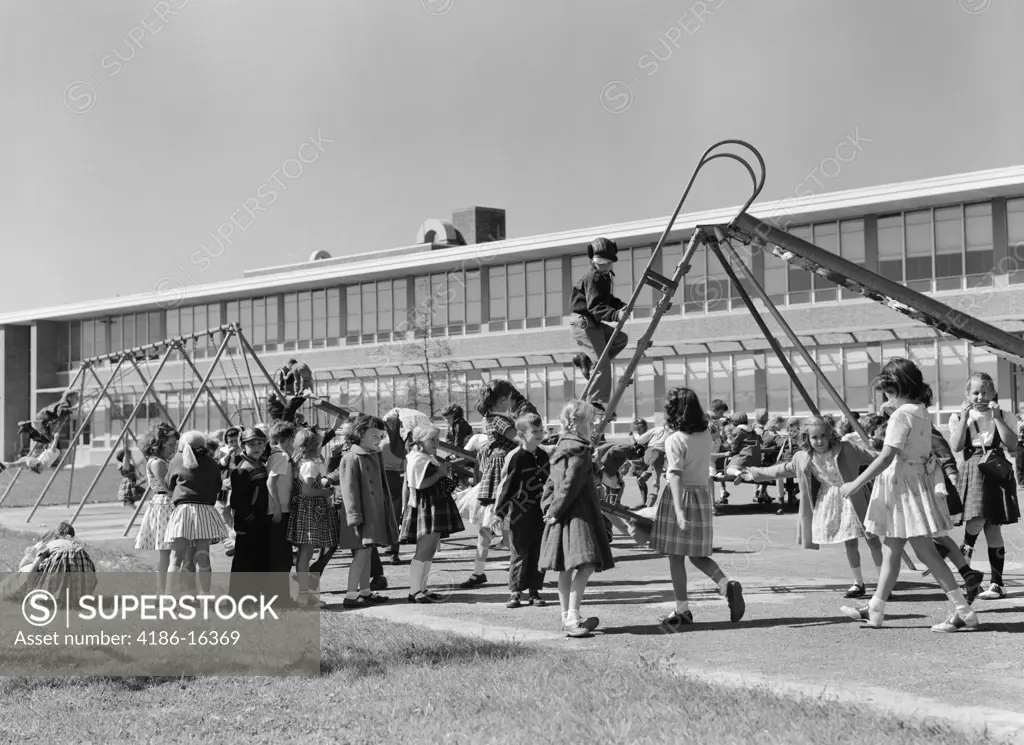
(115, 334)
(695, 283)
(800, 279)
(213, 320)
(128, 330)
(717, 289)
(805, 376)
(368, 291)
(273, 319)
(438, 301)
(830, 360)
(257, 308)
(919, 250)
(75, 342)
(334, 330)
(671, 255)
(354, 313)
(643, 387)
(100, 328)
(721, 378)
(305, 316)
(155, 330)
(826, 236)
(535, 290)
(385, 312)
(553, 291)
(952, 373)
(745, 254)
(456, 295)
(644, 307)
(675, 373)
(851, 246)
(890, 248)
(744, 395)
(949, 248)
(198, 325)
(173, 323)
(534, 387)
(776, 271)
(496, 284)
(556, 380)
(400, 305)
(88, 339)
(369, 397)
(777, 383)
(625, 407)
(579, 265)
(1015, 239)
(516, 295)
(697, 378)
(319, 312)
(386, 392)
(473, 308)
(979, 244)
(858, 393)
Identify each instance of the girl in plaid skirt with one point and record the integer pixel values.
(429, 512)
(313, 523)
(979, 429)
(495, 406)
(682, 523)
(59, 564)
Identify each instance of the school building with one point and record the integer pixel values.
(425, 324)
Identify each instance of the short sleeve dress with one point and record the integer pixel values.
(158, 511)
(690, 456)
(908, 499)
(313, 520)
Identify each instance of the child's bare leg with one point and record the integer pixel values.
(302, 567)
(364, 578)
(564, 591)
(163, 561)
(179, 558)
(710, 567)
(853, 559)
(927, 553)
(577, 587)
(892, 553)
(201, 557)
(677, 570)
(729, 588)
(483, 548)
(359, 567)
(947, 545)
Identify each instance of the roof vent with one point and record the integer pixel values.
(319, 255)
(438, 232)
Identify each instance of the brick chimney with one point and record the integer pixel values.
(480, 224)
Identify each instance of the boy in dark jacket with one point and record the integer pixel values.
(526, 471)
(248, 501)
(593, 307)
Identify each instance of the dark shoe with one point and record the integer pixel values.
(590, 623)
(425, 598)
(677, 620)
(972, 584)
(584, 363)
(516, 601)
(373, 598)
(737, 606)
(855, 591)
(396, 560)
(379, 583)
(475, 580)
(537, 600)
(359, 602)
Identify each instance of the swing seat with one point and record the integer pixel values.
(324, 405)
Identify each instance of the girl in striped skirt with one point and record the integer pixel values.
(313, 523)
(429, 512)
(978, 429)
(682, 524)
(158, 447)
(193, 479)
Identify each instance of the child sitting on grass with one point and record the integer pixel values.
(575, 541)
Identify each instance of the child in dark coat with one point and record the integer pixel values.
(248, 502)
(526, 470)
(575, 542)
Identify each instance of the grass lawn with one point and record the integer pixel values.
(386, 682)
(30, 485)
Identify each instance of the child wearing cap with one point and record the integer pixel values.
(248, 503)
(593, 307)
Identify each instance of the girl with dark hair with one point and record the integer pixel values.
(979, 429)
(907, 500)
(495, 406)
(158, 447)
(822, 465)
(683, 513)
(459, 430)
(394, 455)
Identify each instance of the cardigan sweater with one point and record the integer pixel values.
(850, 457)
(199, 485)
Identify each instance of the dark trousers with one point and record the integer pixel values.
(251, 563)
(277, 411)
(396, 480)
(279, 556)
(592, 337)
(523, 574)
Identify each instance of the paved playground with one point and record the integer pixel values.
(792, 636)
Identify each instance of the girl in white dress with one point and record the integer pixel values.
(908, 501)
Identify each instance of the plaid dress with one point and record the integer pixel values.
(983, 495)
(313, 521)
(690, 454)
(500, 431)
(430, 510)
(67, 573)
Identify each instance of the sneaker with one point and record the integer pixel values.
(515, 601)
(956, 622)
(865, 614)
(584, 363)
(972, 584)
(855, 591)
(676, 620)
(994, 592)
(737, 606)
(475, 580)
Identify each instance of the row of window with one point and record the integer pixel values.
(945, 248)
(746, 381)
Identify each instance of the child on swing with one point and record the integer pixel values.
(575, 543)
(822, 465)
(907, 503)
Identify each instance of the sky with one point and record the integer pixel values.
(148, 143)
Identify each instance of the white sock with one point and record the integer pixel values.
(415, 576)
(959, 601)
(876, 605)
(573, 616)
(682, 606)
(858, 576)
(723, 584)
(425, 579)
(479, 565)
(351, 595)
(564, 617)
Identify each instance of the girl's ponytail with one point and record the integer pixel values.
(191, 443)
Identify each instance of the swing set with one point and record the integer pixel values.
(126, 362)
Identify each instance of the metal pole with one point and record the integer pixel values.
(78, 434)
(111, 400)
(159, 403)
(74, 443)
(185, 416)
(209, 393)
(124, 430)
(259, 364)
(156, 346)
(776, 347)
